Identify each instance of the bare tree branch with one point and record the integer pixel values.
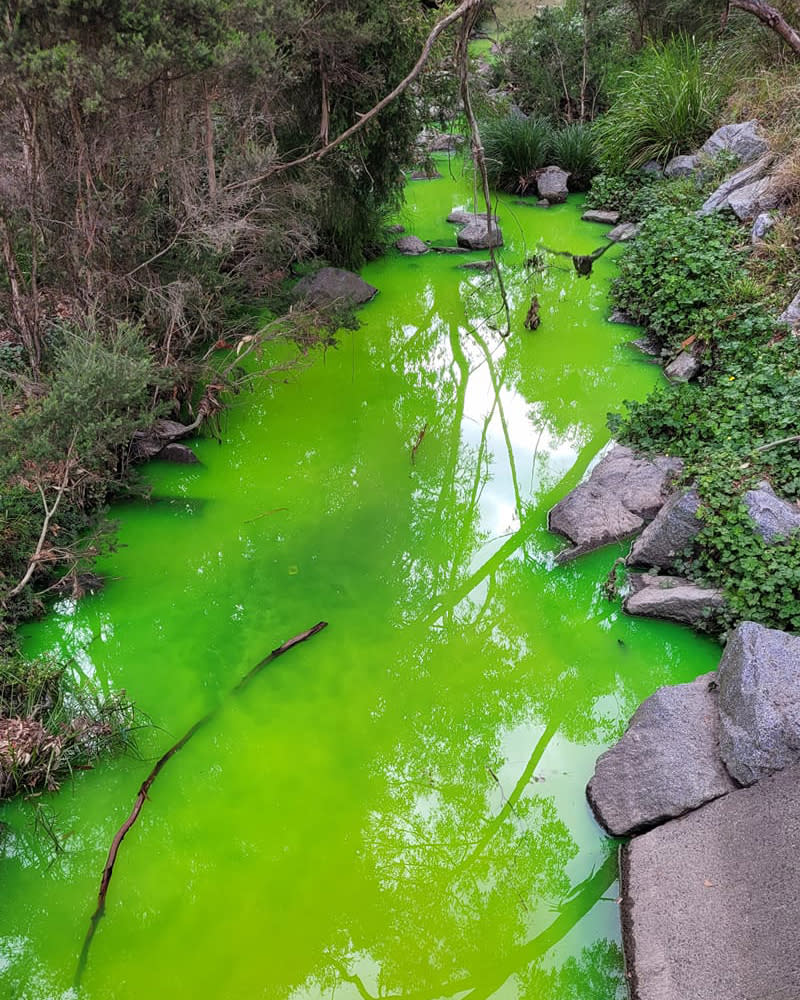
(772, 18)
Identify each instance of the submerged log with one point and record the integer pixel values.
(144, 788)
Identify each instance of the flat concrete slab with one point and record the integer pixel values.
(710, 901)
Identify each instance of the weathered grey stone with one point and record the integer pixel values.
(666, 764)
(412, 246)
(647, 345)
(151, 442)
(175, 452)
(605, 218)
(709, 901)
(759, 702)
(426, 174)
(741, 140)
(551, 183)
(543, 203)
(443, 142)
(741, 178)
(652, 167)
(764, 222)
(623, 491)
(623, 232)
(683, 368)
(682, 166)
(671, 597)
(476, 265)
(478, 236)
(791, 314)
(751, 200)
(674, 528)
(774, 517)
(333, 284)
(461, 217)
(618, 316)
(395, 229)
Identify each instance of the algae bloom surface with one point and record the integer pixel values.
(394, 809)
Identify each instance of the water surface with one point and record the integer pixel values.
(394, 809)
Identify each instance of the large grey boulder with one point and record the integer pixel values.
(742, 140)
(178, 453)
(672, 530)
(709, 901)
(682, 166)
(774, 518)
(478, 236)
(623, 492)
(551, 182)
(756, 198)
(682, 368)
(411, 246)
(672, 598)
(332, 285)
(720, 198)
(791, 314)
(666, 764)
(603, 216)
(759, 702)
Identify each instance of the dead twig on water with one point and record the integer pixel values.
(144, 788)
(418, 442)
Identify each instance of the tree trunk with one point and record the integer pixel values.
(772, 18)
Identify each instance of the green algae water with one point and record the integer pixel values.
(394, 809)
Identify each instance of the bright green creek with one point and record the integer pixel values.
(396, 808)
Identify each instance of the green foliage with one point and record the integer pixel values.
(515, 149)
(666, 104)
(574, 150)
(746, 398)
(636, 194)
(678, 265)
(543, 59)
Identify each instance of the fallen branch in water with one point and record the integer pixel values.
(144, 788)
(418, 442)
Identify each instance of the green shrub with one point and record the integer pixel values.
(679, 264)
(747, 398)
(665, 105)
(543, 60)
(515, 149)
(574, 150)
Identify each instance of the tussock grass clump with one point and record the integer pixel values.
(46, 734)
(574, 150)
(666, 105)
(515, 149)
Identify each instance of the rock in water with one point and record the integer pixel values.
(332, 285)
(623, 492)
(551, 182)
(175, 452)
(672, 598)
(709, 901)
(605, 218)
(741, 140)
(759, 702)
(672, 530)
(774, 518)
(665, 765)
(411, 246)
(462, 217)
(477, 236)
